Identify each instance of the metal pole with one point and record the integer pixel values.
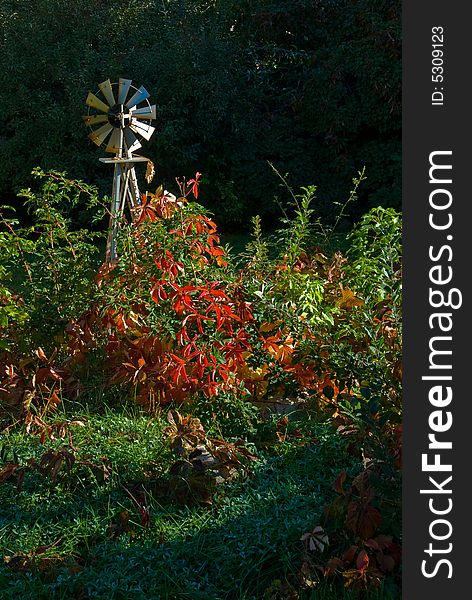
(111, 254)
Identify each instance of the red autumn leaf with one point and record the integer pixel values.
(370, 543)
(362, 519)
(183, 337)
(338, 484)
(349, 555)
(221, 262)
(145, 517)
(385, 562)
(285, 351)
(147, 211)
(7, 471)
(10, 371)
(216, 251)
(194, 183)
(157, 292)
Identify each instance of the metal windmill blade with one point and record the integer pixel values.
(119, 116)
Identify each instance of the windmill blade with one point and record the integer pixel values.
(145, 113)
(94, 119)
(106, 90)
(100, 135)
(123, 88)
(114, 143)
(131, 141)
(138, 97)
(142, 129)
(94, 102)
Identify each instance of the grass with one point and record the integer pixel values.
(248, 539)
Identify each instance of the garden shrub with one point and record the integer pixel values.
(169, 313)
(46, 267)
(46, 279)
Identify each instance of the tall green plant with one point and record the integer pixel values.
(47, 268)
(376, 253)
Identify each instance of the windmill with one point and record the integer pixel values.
(119, 115)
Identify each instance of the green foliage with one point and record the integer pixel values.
(46, 268)
(257, 250)
(374, 272)
(342, 313)
(375, 251)
(312, 87)
(11, 309)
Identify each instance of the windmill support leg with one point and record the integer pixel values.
(135, 198)
(125, 190)
(111, 254)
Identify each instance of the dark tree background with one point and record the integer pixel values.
(311, 85)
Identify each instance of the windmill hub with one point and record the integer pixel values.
(119, 116)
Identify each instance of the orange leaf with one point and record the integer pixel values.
(54, 400)
(348, 300)
(362, 561)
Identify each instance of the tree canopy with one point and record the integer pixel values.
(313, 86)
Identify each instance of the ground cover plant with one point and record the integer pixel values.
(187, 424)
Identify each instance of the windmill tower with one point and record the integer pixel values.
(123, 114)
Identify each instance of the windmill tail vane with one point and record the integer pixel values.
(119, 116)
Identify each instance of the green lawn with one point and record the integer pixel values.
(246, 545)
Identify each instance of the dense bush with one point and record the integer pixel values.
(305, 84)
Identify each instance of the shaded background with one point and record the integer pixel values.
(312, 86)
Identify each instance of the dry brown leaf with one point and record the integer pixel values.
(150, 171)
